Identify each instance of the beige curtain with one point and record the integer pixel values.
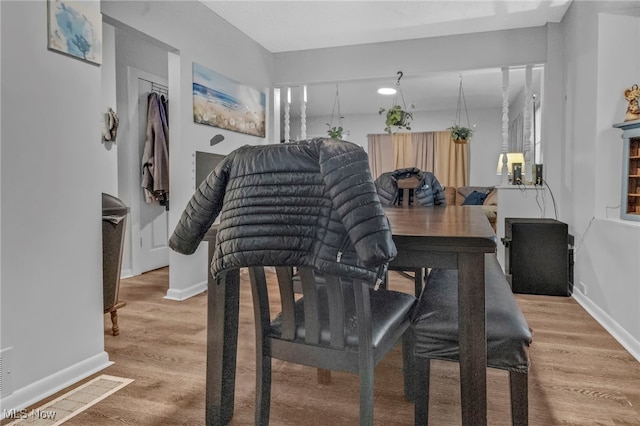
(402, 151)
(380, 154)
(452, 161)
(428, 151)
(424, 151)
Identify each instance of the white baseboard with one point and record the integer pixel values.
(180, 295)
(126, 273)
(623, 337)
(37, 391)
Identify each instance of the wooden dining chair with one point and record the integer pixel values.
(339, 324)
(406, 193)
(406, 190)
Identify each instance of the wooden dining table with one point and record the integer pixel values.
(452, 237)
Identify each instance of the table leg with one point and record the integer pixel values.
(223, 307)
(473, 340)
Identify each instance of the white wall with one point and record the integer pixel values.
(472, 51)
(108, 86)
(51, 305)
(197, 35)
(601, 60)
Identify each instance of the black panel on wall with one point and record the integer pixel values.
(205, 163)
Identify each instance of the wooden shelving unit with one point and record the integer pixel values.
(630, 202)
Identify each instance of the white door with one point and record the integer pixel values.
(150, 222)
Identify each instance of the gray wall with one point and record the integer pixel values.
(54, 168)
(601, 60)
(51, 307)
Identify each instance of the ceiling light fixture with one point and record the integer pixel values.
(387, 91)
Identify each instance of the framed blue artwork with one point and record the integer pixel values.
(75, 29)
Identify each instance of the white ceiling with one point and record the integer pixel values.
(281, 26)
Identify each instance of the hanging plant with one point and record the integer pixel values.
(397, 117)
(336, 131)
(459, 133)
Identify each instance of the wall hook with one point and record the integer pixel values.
(400, 74)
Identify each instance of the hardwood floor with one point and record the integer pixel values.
(579, 374)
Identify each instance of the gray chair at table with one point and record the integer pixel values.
(434, 335)
(338, 324)
(310, 205)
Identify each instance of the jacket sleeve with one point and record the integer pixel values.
(386, 188)
(201, 211)
(439, 198)
(345, 170)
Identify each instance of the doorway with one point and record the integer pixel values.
(149, 222)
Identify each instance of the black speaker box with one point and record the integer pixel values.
(517, 173)
(537, 174)
(538, 256)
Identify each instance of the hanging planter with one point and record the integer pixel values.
(461, 134)
(397, 117)
(336, 131)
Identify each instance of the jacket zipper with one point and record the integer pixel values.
(343, 247)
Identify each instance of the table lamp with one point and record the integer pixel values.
(512, 158)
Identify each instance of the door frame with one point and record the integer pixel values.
(133, 162)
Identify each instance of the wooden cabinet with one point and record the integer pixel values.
(630, 202)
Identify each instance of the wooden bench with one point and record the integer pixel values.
(434, 335)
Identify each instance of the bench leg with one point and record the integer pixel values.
(418, 281)
(407, 365)
(421, 390)
(518, 385)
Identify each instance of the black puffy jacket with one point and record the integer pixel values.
(428, 193)
(310, 203)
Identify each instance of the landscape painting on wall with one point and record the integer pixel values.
(75, 29)
(222, 102)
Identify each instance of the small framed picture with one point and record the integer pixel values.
(75, 29)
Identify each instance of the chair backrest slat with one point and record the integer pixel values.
(311, 306)
(406, 190)
(335, 300)
(287, 301)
